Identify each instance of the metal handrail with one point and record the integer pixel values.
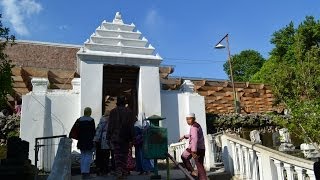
(37, 146)
(180, 167)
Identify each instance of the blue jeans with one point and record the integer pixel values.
(86, 159)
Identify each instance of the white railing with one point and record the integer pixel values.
(177, 150)
(247, 160)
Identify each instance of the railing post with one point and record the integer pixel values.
(36, 150)
(311, 175)
(289, 171)
(246, 162)
(266, 166)
(241, 163)
(209, 157)
(260, 168)
(299, 173)
(235, 158)
(279, 169)
(254, 165)
(212, 150)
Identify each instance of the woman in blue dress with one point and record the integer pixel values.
(142, 165)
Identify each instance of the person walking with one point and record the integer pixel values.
(85, 141)
(196, 148)
(103, 147)
(121, 133)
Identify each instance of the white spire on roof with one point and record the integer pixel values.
(117, 18)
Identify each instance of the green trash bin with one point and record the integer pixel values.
(155, 144)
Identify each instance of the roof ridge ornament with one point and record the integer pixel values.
(117, 18)
(187, 86)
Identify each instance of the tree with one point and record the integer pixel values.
(293, 71)
(6, 81)
(244, 65)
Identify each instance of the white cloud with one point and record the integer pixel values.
(16, 11)
(153, 18)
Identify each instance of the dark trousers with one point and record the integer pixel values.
(102, 160)
(113, 165)
(186, 156)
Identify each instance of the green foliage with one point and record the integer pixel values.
(14, 133)
(293, 71)
(6, 80)
(244, 65)
(3, 152)
(241, 120)
(304, 119)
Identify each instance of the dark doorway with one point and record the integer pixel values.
(120, 80)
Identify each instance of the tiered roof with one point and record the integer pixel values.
(117, 39)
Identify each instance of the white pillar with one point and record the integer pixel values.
(39, 85)
(35, 119)
(279, 169)
(191, 102)
(247, 162)
(76, 85)
(300, 174)
(91, 88)
(149, 100)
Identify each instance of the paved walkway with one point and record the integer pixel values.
(175, 174)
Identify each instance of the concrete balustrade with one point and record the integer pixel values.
(178, 149)
(248, 160)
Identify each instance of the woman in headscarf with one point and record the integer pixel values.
(142, 165)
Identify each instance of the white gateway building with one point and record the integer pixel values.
(115, 60)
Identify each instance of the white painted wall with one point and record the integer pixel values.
(48, 113)
(91, 88)
(149, 100)
(170, 110)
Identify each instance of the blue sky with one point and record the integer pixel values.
(183, 32)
